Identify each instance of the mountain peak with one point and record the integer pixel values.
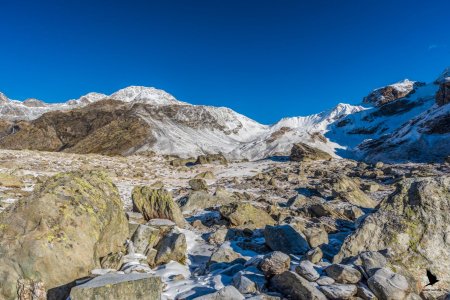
(3, 98)
(148, 95)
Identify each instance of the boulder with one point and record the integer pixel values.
(286, 239)
(199, 200)
(315, 233)
(205, 175)
(343, 273)
(227, 293)
(245, 215)
(387, 285)
(413, 224)
(172, 246)
(156, 204)
(302, 152)
(294, 286)
(307, 270)
(119, 287)
(275, 263)
(211, 159)
(144, 238)
(249, 280)
(60, 232)
(372, 261)
(314, 255)
(198, 184)
(339, 291)
(224, 254)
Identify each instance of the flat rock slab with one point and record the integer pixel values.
(119, 287)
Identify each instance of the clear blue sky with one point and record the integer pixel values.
(265, 59)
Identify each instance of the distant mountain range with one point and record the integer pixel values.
(404, 121)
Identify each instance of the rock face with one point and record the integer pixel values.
(413, 224)
(390, 93)
(245, 215)
(303, 152)
(119, 287)
(443, 94)
(60, 232)
(156, 204)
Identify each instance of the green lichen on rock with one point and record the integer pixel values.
(60, 232)
(245, 215)
(156, 204)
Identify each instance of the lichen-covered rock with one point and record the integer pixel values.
(198, 184)
(343, 273)
(10, 181)
(60, 232)
(173, 246)
(275, 263)
(199, 200)
(303, 152)
(156, 204)
(245, 215)
(205, 175)
(211, 159)
(119, 286)
(413, 224)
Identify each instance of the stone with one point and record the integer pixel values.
(315, 233)
(245, 215)
(325, 280)
(297, 201)
(198, 184)
(314, 255)
(224, 254)
(304, 153)
(199, 200)
(343, 273)
(307, 270)
(219, 236)
(286, 239)
(365, 293)
(413, 223)
(119, 287)
(372, 261)
(387, 285)
(249, 280)
(226, 293)
(294, 286)
(60, 232)
(339, 291)
(10, 181)
(156, 204)
(275, 263)
(172, 246)
(144, 238)
(30, 290)
(211, 159)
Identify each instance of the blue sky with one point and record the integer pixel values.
(265, 59)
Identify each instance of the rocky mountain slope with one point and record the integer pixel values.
(405, 121)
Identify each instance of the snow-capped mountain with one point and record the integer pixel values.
(397, 122)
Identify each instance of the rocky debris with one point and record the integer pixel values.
(227, 293)
(10, 181)
(198, 184)
(286, 239)
(275, 263)
(156, 204)
(339, 291)
(314, 255)
(315, 233)
(387, 285)
(346, 189)
(245, 215)
(307, 270)
(199, 200)
(211, 159)
(118, 286)
(30, 290)
(249, 280)
(297, 201)
(304, 153)
(224, 254)
(294, 286)
(60, 232)
(411, 222)
(443, 94)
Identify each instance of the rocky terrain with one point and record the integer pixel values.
(401, 122)
(150, 226)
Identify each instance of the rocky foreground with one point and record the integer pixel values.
(160, 227)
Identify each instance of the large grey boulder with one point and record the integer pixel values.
(246, 215)
(173, 246)
(119, 287)
(343, 273)
(307, 270)
(413, 224)
(339, 291)
(387, 285)
(60, 232)
(286, 239)
(294, 286)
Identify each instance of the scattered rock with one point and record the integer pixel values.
(205, 175)
(171, 247)
(211, 159)
(307, 270)
(303, 152)
(144, 238)
(245, 215)
(387, 285)
(343, 273)
(339, 291)
(314, 255)
(224, 254)
(198, 184)
(294, 286)
(156, 204)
